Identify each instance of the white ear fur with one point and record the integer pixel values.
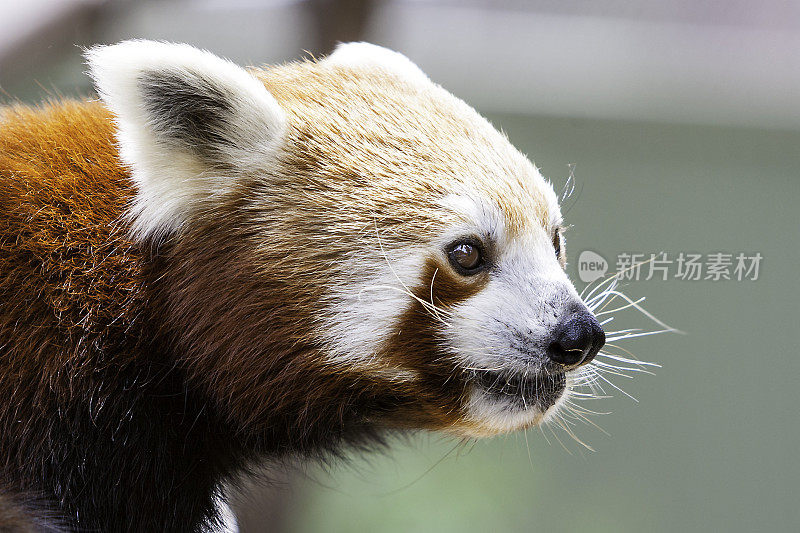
(366, 55)
(187, 121)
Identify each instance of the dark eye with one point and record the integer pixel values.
(465, 257)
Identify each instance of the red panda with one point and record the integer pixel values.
(213, 267)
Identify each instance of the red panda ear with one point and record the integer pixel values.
(188, 122)
(374, 57)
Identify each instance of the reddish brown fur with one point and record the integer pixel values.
(218, 330)
(66, 266)
(218, 304)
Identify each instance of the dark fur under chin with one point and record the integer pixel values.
(153, 457)
(100, 419)
(141, 446)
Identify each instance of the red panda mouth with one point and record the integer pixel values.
(523, 390)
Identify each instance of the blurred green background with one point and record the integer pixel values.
(683, 127)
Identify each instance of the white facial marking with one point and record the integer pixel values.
(507, 326)
(136, 79)
(493, 417)
(474, 217)
(364, 309)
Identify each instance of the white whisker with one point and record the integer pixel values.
(618, 309)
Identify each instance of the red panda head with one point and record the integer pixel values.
(344, 239)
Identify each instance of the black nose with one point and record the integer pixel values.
(577, 339)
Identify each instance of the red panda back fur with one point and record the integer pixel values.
(76, 350)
